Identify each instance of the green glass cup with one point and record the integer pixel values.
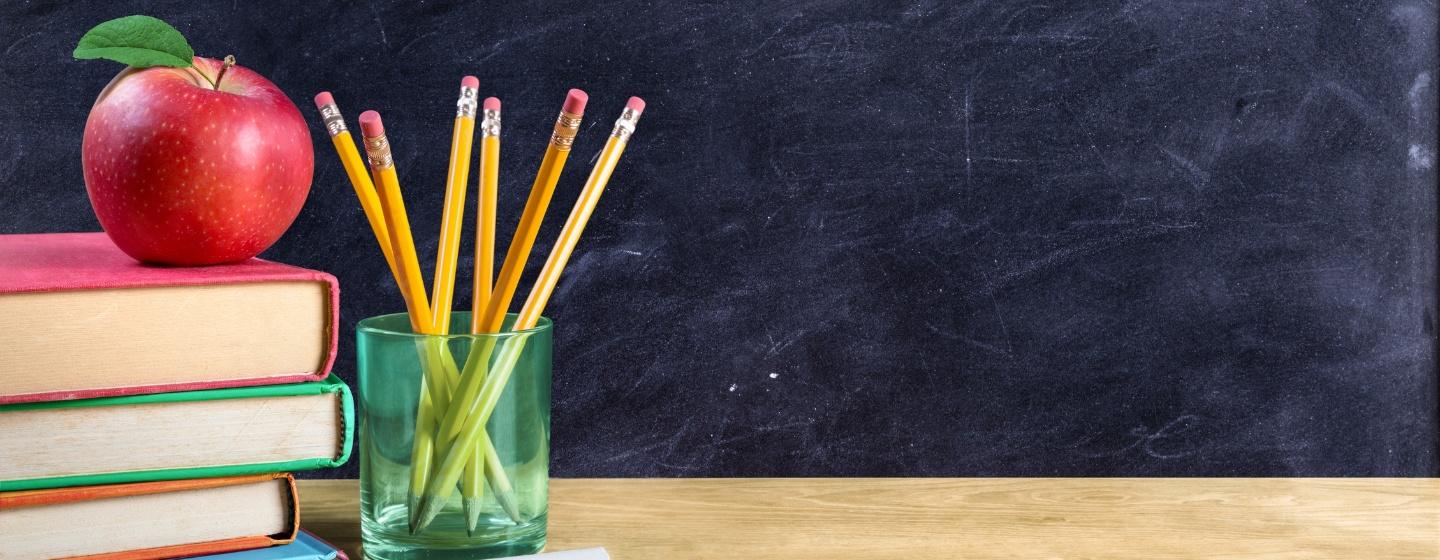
(496, 509)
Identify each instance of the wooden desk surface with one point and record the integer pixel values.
(839, 519)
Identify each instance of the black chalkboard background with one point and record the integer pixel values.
(986, 238)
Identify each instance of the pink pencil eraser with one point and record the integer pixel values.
(492, 103)
(470, 82)
(324, 98)
(370, 124)
(635, 104)
(575, 102)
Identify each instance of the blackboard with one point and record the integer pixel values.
(929, 238)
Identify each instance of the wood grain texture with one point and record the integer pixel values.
(838, 519)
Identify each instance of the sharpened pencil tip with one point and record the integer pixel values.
(429, 510)
(473, 507)
(507, 502)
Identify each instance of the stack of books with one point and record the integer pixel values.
(151, 412)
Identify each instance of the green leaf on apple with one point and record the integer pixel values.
(139, 41)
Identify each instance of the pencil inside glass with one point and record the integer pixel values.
(441, 374)
(434, 383)
(452, 465)
(448, 249)
(472, 485)
(374, 213)
(498, 297)
(557, 151)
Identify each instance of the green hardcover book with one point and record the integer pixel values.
(169, 436)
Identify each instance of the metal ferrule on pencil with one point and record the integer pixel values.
(465, 106)
(625, 125)
(334, 123)
(378, 150)
(490, 126)
(567, 125)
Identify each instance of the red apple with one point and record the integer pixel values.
(195, 166)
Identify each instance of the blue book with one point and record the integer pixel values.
(305, 547)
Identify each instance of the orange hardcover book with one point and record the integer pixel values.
(150, 520)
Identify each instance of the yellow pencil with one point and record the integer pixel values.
(437, 364)
(580, 215)
(451, 467)
(452, 217)
(402, 243)
(472, 485)
(443, 291)
(485, 217)
(412, 289)
(423, 450)
(375, 212)
(567, 125)
(359, 178)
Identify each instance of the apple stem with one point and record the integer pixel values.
(229, 61)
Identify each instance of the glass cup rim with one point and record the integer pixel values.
(367, 326)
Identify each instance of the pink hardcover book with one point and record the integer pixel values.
(81, 319)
